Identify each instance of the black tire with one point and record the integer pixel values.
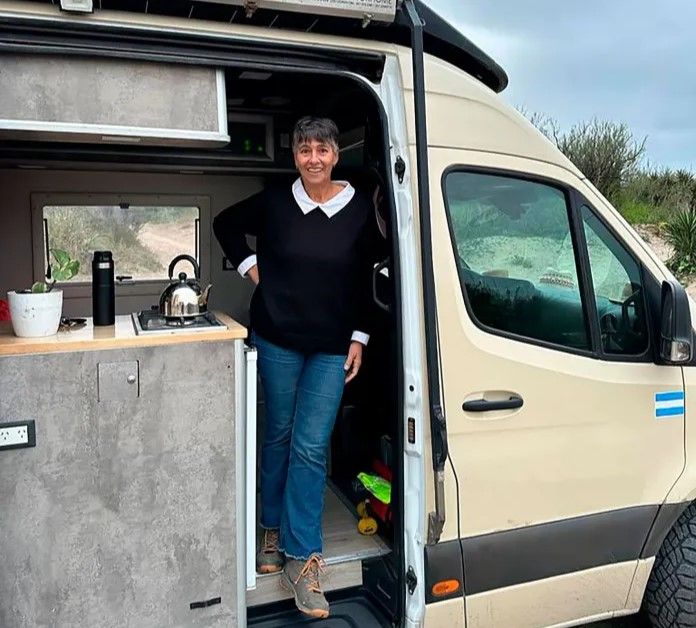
(670, 597)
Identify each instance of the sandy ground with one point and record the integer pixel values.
(651, 234)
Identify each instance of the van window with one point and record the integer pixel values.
(143, 239)
(618, 290)
(516, 257)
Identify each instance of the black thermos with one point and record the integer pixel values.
(103, 295)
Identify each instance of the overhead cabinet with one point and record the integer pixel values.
(82, 99)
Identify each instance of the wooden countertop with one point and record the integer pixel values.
(118, 336)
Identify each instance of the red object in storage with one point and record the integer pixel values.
(4, 311)
(380, 509)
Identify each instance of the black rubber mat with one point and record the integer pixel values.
(347, 611)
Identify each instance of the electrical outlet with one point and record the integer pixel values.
(17, 435)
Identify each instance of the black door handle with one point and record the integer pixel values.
(483, 405)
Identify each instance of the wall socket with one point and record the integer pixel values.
(17, 435)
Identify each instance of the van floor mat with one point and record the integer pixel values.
(348, 610)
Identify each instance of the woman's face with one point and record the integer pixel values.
(315, 161)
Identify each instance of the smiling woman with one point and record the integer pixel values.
(316, 247)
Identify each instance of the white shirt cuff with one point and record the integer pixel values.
(361, 337)
(248, 263)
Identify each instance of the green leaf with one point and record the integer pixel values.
(39, 287)
(73, 267)
(60, 256)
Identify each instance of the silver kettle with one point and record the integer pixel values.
(183, 297)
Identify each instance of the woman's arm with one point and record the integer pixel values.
(231, 227)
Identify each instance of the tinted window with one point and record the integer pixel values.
(516, 257)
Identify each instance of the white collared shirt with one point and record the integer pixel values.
(306, 205)
(330, 207)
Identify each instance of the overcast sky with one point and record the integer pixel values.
(630, 61)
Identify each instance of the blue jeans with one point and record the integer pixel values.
(303, 394)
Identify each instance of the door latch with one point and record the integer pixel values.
(411, 580)
(400, 168)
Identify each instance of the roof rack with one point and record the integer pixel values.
(380, 20)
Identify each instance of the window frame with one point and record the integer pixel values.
(138, 288)
(574, 201)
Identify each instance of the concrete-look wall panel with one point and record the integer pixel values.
(126, 93)
(123, 514)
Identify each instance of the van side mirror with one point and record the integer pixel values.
(675, 325)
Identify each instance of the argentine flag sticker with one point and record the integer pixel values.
(669, 404)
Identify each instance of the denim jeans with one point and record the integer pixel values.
(303, 394)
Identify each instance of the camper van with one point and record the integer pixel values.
(523, 393)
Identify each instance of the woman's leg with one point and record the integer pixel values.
(319, 393)
(280, 371)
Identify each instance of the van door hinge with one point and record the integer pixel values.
(400, 169)
(411, 580)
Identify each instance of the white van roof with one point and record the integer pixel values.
(380, 20)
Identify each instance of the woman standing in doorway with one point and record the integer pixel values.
(317, 242)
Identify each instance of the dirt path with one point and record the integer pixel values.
(167, 240)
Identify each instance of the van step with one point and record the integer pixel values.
(344, 550)
(349, 609)
(341, 576)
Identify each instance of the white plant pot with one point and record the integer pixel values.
(35, 314)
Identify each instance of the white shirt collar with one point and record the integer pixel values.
(331, 207)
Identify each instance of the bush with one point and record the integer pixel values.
(680, 233)
(605, 152)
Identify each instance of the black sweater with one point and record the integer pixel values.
(315, 272)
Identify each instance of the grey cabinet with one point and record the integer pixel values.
(117, 101)
(124, 512)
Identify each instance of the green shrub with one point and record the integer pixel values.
(680, 233)
(606, 152)
(638, 212)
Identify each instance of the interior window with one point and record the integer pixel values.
(516, 257)
(618, 290)
(143, 239)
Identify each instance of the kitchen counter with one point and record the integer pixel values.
(120, 335)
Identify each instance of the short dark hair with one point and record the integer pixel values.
(318, 129)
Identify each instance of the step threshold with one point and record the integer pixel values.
(344, 550)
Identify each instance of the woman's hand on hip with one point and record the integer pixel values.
(353, 361)
(253, 274)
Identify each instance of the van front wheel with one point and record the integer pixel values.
(670, 597)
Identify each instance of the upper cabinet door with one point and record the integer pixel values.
(552, 401)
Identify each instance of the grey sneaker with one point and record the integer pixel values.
(302, 579)
(269, 559)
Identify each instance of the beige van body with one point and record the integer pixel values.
(545, 489)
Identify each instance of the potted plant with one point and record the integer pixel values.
(36, 311)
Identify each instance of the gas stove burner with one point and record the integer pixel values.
(181, 322)
(152, 322)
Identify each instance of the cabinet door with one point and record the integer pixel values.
(555, 410)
